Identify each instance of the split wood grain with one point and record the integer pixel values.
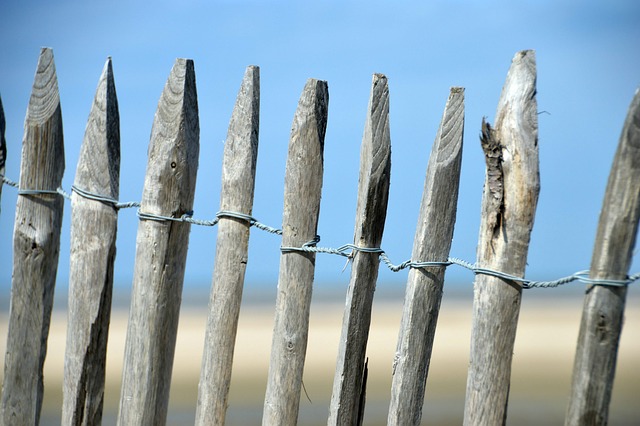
(425, 285)
(93, 250)
(238, 183)
(36, 248)
(371, 212)
(161, 250)
(603, 310)
(509, 203)
(302, 190)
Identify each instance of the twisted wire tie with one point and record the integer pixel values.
(188, 217)
(582, 276)
(108, 200)
(9, 181)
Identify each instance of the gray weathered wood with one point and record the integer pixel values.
(371, 211)
(302, 188)
(161, 250)
(36, 246)
(3, 145)
(425, 285)
(509, 203)
(93, 250)
(238, 182)
(603, 311)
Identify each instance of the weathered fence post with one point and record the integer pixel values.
(509, 203)
(3, 146)
(93, 250)
(161, 250)
(603, 310)
(371, 212)
(302, 188)
(36, 246)
(238, 182)
(424, 285)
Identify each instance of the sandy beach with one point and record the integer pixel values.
(543, 359)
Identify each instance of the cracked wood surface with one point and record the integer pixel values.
(432, 242)
(347, 400)
(36, 248)
(93, 249)
(511, 151)
(238, 183)
(161, 250)
(302, 190)
(603, 311)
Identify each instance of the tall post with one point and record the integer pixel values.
(238, 183)
(425, 285)
(509, 203)
(603, 311)
(302, 188)
(371, 212)
(161, 250)
(93, 251)
(36, 247)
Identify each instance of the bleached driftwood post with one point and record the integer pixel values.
(371, 212)
(93, 250)
(302, 188)
(238, 182)
(425, 285)
(161, 250)
(36, 246)
(603, 311)
(509, 203)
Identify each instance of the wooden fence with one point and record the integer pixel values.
(508, 210)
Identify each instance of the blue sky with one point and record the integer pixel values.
(588, 70)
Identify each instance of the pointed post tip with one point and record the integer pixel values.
(526, 52)
(185, 61)
(252, 71)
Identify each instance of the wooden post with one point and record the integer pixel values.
(302, 188)
(603, 310)
(3, 146)
(509, 203)
(373, 194)
(238, 182)
(93, 250)
(36, 246)
(424, 286)
(161, 251)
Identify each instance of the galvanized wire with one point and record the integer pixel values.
(346, 250)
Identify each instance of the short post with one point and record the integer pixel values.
(302, 188)
(238, 183)
(36, 246)
(161, 250)
(509, 203)
(432, 242)
(371, 212)
(93, 250)
(602, 315)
